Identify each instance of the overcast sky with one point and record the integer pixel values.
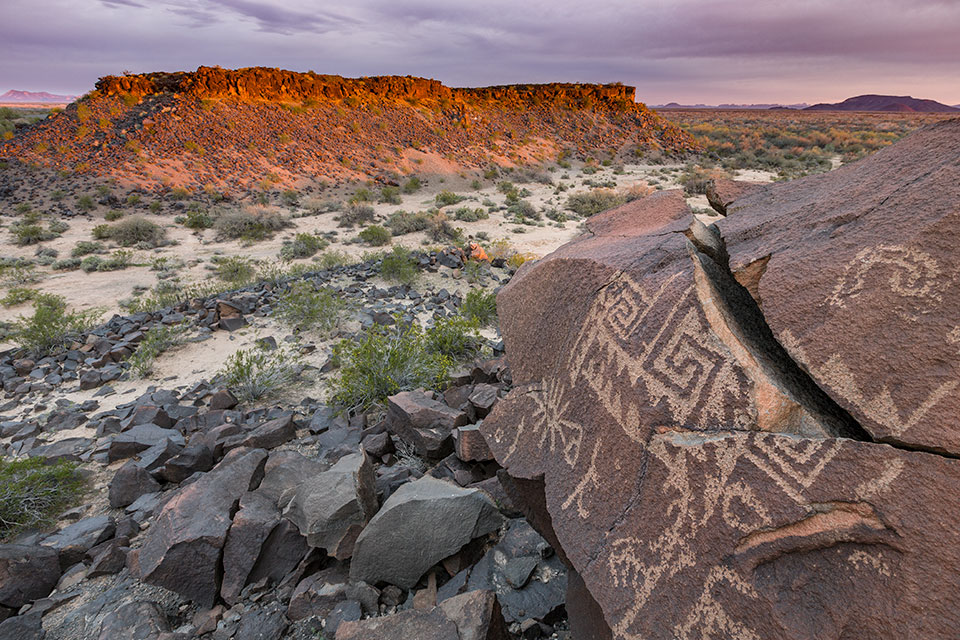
(687, 51)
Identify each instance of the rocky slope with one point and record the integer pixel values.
(231, 130)
(750, 429)
(872, 102)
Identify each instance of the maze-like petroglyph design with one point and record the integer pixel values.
(908, 272)
(700, 478)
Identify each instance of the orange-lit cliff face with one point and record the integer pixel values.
(231, 128)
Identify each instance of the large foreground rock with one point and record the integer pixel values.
(27, 572)
(183, 547)
(331, 508)
(422, 523)
(737, 431)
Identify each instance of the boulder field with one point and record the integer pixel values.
(750, 429)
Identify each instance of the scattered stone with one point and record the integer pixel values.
(129, 483)
(423, 422)
(27, 572)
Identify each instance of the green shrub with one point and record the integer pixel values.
(399, 265)
(466, 214)
(27, 234)
(455, 337)
(133, 231)
(85, 203)
(384, 361)
(85, 248)
(480, 306)
(33, 492)
(412, 185)
(156, 340)
(375, 235)
(17, 296)
(440, 229)
(303, 245)
(446, 198)
(51, 327)
(120, 259)
(390, 195)
(236, 270)
(305, 308)
(332, 259)
(524, 212)
(113, 214)
(254, 373)
(402, 222)
(290, 197)
(67, 264)
(593, 202)
(197, 219)
(355, 213)
(249, 225)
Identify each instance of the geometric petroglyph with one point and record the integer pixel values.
(908, 272)
(642, 349)
(700, 480)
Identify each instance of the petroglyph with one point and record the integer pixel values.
(908, 272)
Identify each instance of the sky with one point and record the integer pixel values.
(687, 51)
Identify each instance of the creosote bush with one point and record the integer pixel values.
(403, 222)
(258, 372)
(355, 213)
(32, 492)
(236, 270)
(480, 306)
(306, 308)
(250, 225)
(156, 340)
(375, 235)
(303, 245)
(592, 202)
(132, 231)
(51, 327)
(400, 265)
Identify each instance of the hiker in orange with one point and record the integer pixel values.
(477, 252)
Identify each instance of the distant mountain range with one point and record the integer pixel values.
(33, 97)
(674, 105)
(872, 102)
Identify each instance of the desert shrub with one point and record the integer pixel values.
(85, 248)
(257, 372)
(516, 260)
(455, 337)
(524, 212)
(440, 229)
(402, 222)
(556, 215)
(375, 235)
(589, 203)
(480, 306)
(303, 245)
(17, 296)
(695, 179)
(446, 198)
(51, 327)
(362, 195)
(85, 203)
(636, 191)
(197, 219)
(399, 265)
(236, 270)
(67, 264)
(249, 225)
(33, 492)
(355, 213)
(500, 249)
(133, 231)
(466, 214)
(113, 214)
(290, 197)
(384, 361)
(120, 259)
(305, 308)
(412, 185)
(332, 259)
(156, 340)
(390, 195)
(27, 234)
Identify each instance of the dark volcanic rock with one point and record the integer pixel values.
(183, 546)
(129, 483)
(331, 508)
(134, 621)
(423, 422)
(27, 572)
(252, 524)
(705, 425)
(420, 524)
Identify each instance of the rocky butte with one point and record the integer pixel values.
(232, 129)
(750, 430)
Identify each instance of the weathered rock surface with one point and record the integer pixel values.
(423, 522)
(27, 572)
(424, 423)
(183, 546)
(717, 424)
(331, 508)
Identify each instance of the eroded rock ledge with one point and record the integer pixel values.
(749, 431)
